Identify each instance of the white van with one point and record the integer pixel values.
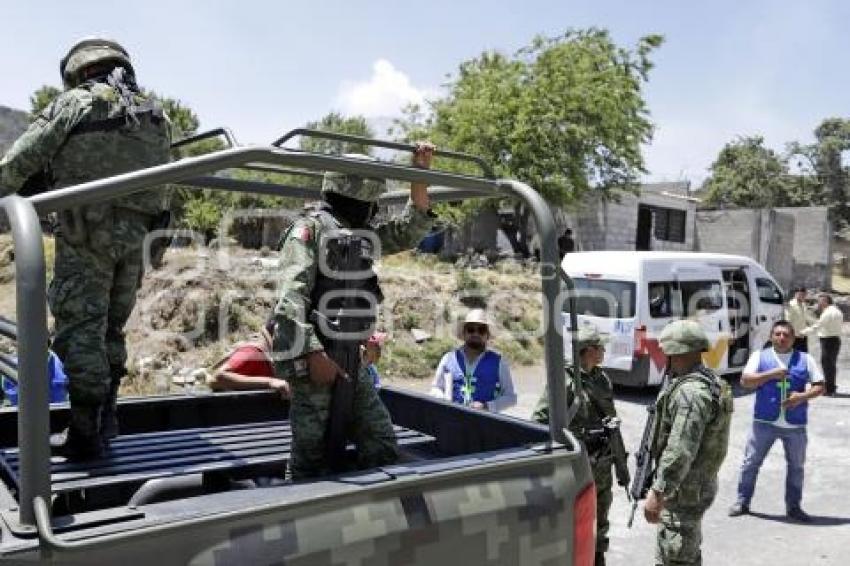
(631, 296)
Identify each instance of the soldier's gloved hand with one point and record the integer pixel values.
(322, 369)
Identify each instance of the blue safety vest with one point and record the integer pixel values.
(770, 395)
(480, 385)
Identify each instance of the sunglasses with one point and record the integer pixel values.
(475, 329)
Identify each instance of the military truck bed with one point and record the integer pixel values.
(205, 457)
(243, 449)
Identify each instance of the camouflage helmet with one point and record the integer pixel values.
(589, 336)
(353, 186)
(91, 51)
(683, 337)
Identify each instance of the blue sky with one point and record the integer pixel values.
(727, 68)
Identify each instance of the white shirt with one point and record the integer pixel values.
(829, 324)
(799, 316)
(815, 376)
(507, 396)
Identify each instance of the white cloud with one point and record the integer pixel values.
(385, 93)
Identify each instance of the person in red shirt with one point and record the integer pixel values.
(249, 367)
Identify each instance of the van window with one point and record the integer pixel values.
(684, 298)
(768, 292)
(604, 298)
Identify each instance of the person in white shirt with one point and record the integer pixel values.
(828, 327)
(785, 380)
(798, 314)
(472, 375)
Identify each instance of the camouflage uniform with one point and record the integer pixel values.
(94, 129)
(691, 437)
(297, 335)
(594, 395)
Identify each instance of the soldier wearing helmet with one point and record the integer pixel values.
(327, 303)
(694, 411)
(597, 426)
(101, 125)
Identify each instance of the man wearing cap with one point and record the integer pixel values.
(785, 379)
(797, 313)
(473, 375)
(326, 264)
(595, 422)
(101, 125)
(691, 436)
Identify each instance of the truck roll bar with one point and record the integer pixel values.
(33, 412)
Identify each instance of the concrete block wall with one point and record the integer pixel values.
(812, 246)
(621, 223)
(734, 231)
(776, 252)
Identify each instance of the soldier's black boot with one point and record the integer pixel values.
(109, 414)
(81, 440)
(600, 559)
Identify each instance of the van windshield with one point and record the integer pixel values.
(604, 298)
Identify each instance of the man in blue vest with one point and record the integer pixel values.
(785, 380)
(472, 375)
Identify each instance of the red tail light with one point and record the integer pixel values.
(584, 529)
(641, 348)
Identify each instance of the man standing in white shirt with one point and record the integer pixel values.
(828, 327)
(785, 380)
(474, 375)
(797, 313)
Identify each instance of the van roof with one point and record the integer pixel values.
(627, 262)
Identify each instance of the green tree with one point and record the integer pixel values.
(39, 100)
(822, 160)
(565, 115)
(748, 174)
(337, 123)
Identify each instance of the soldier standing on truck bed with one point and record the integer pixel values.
(596, 424)
(328, 295)
(693, 414)
(101, 125)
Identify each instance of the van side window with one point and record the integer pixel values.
(768, 292)
(659, 300)
(605, 298)
(684, 298)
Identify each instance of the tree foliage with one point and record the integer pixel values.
(823, 163)
(564, 114)
(340, 124)
(748, 174)
(41, 98)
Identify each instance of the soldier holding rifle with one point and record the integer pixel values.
(596, 424)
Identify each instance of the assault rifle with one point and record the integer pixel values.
(644, 473)
(609, 434)
(344, 349)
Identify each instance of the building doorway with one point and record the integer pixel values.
(643, 238)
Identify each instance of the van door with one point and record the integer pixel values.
(768, 306)
(694, 292)
(738, 297)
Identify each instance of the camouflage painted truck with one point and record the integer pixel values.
(196, 479)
